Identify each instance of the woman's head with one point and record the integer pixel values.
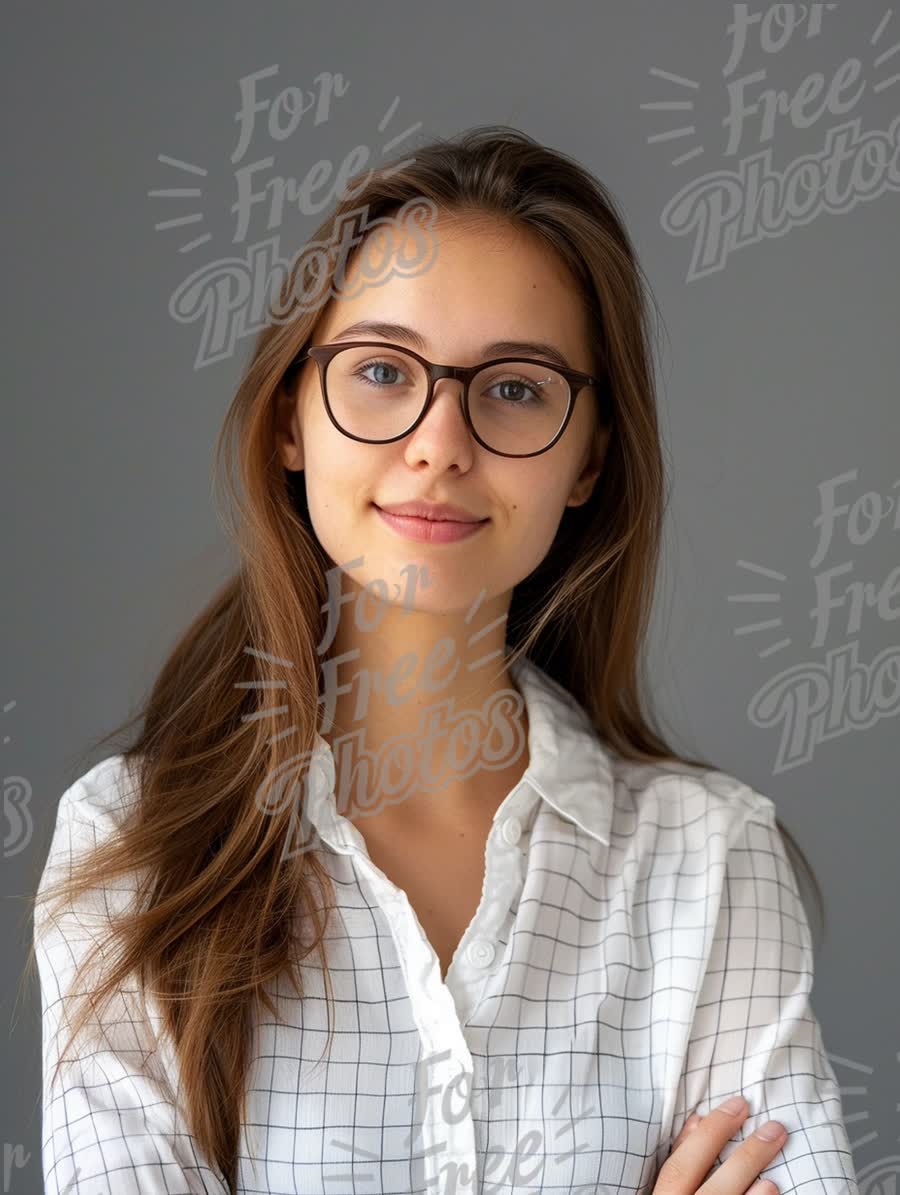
(529, 245)
(488, 282)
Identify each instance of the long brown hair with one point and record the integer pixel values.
(217, 899)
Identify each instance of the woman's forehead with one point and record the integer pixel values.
(480, 287)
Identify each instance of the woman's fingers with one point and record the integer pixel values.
(689, 1125)
(741, 1169)
(699, 1144)
(687, 1166)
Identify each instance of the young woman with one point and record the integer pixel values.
(398, 889)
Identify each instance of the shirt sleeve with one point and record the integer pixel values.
(754, 1031)
(111, 1123)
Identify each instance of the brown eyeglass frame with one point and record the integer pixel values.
(577, 381)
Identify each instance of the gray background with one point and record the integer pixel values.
(777, 373)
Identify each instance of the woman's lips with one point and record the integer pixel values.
(442, 531)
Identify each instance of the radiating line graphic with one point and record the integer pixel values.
(9, 705)
(769, 624)
(671, 106)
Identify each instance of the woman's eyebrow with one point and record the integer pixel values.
(497, 348)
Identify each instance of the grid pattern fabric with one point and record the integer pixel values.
(640, 952)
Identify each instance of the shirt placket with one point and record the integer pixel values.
(441, 1008)
(448, 1156)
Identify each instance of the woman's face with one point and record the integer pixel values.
(486, 283)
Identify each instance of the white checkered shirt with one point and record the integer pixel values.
(640, 951)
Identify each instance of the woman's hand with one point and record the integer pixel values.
(686, 1171)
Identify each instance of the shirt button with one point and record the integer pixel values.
(480, 953)
(511, 830)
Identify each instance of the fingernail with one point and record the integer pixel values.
(770, 1131)
(735, 1103)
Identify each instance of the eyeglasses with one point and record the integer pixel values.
(514, 406)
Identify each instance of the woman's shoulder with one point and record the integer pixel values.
(689, 798)
(103, 794)
(90, 810)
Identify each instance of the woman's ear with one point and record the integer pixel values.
(584, 484)
(288, 440)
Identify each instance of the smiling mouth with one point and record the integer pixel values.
(426, 519)
(430, 531)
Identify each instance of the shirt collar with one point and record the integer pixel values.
(569, 767)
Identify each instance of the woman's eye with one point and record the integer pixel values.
(385, 373)
(514, 391)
